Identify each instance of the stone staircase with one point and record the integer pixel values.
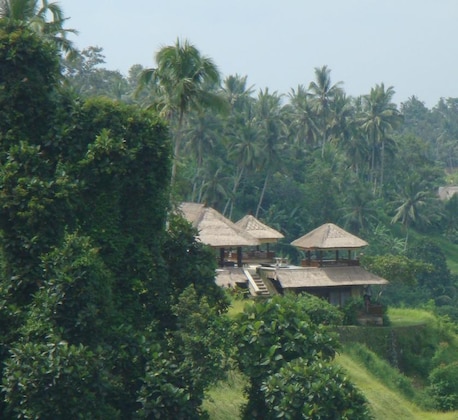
(262, 288)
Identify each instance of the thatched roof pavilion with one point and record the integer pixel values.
(264, 233)
(216, 230)
(329, 237)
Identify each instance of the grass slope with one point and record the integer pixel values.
(386, 401)
(385, 404)
(224, 401)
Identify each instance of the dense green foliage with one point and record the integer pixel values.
(88, 282)
(108, 308)
(279, 348)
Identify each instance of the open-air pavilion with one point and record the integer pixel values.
(217, 231)
(265, 234)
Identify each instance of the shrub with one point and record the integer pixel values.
(313, 391)
(444, 386)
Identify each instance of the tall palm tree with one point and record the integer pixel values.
(270, 121)
(35, 16)
(245, 151)
(183, 80)
(303, 120)
(323, 93)
(378, 119)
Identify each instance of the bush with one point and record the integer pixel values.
(444, 386)
(313, 391)
(320, 311)
(351, 309)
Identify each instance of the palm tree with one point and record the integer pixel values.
(237, 94)
(245, 150)
(379, 117)
(273, 130)
(184, 80)
(35, 16)
(323, 93)
(411, 201)
(359, 208)
(303, 119)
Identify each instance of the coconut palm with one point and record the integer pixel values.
(323, 93)
(411, 201)
(303, 119)
(237, 94)
(183, 80)
(272, 133)
(378, 119)
(35, 16)
(245, 151)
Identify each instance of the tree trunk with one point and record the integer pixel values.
(261, 198)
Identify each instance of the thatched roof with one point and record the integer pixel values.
(214, 229)
(326, 277)
(191, 211)
(329, 237)
(259, 230)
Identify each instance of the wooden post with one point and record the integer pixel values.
(221, 257)
(239, 256)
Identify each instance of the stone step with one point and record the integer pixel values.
(261, 286)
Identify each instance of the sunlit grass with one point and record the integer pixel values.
(237, 306)
(385, 404)
(401, 317)
(225, 399)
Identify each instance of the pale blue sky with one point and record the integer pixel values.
(411, 45)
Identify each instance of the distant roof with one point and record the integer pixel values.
(327, 277)
(329, 236)
(445, 193)
(258, 229)
(214, 229)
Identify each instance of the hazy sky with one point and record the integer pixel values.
(411, 45)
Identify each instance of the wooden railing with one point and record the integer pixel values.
(329, 263)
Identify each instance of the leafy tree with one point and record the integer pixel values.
(270, 334)
(313, 391)
(87, 78)
(77, 295)
(53, 379)
(398, 269)
(438, 280)
(190, 262)
(404, 275)
(450, 218)
(35, 188)
(444, 386)
(196, 357)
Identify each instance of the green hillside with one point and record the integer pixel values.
(391, 395)
(385, 403)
